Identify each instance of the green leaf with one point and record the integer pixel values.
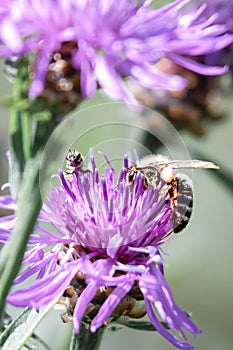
(31, 124)
(73, 342)
(36, 343)
(29, 202)
(26, 150)
(19, 331)
(16, 104)
(12, 326)
(43, 115)
(19, 128)
(6, 320)
(138, 325)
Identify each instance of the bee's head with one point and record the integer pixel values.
(133, 173)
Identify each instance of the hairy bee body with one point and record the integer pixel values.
(179, 188)
(181, 195)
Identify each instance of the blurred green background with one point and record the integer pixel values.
(200, 259)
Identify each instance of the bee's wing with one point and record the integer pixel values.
(182, 164)
(160, 162)
(152, 160)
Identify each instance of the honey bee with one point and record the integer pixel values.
(179, 187)
(74, 161)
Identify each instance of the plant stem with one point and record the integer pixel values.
(86, 340)
(29, 205)
(26, 148)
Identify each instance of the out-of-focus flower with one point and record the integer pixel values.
(106, 255)
(193, 107)
(110, 40)
(222, 10)
(221, 13)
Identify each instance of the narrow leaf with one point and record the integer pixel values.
(19, 137)
(30, 127)
(138, 325)
(36, 343)
(13, 325)
(30, 203)
(73, 342)
(17, 334)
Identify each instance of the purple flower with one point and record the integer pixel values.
(112, 39)
(221, 10)
(224, 10)
(221, 13)
(107, 247)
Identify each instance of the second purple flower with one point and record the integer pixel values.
(106, 41)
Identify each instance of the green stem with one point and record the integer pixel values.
(26, 147)
(86, 340)
(29, 205)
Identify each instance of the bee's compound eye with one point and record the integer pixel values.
(167, 174)
(146, 182)
(131, 176)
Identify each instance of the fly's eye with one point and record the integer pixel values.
(78, 156)
(78, 159)
(68, 157)
(75, 158)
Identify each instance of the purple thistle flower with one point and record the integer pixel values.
(221, 10)
(196, 105)
(111, 40)
(224, 10)
(107, 248)
(221, 13)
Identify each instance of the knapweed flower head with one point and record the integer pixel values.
(196, 105)
(193, 108)
(105, 256)
(108, 41)
(221, 13)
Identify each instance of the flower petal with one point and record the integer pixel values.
(6, 202)
(45, 290)
(196, 66)
(163, 331)
(82, 303)
(109, 305)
